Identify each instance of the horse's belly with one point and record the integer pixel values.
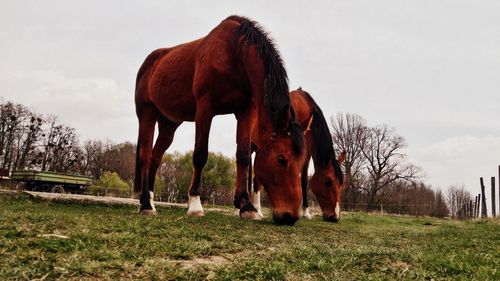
(175, 106)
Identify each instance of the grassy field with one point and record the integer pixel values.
(55, 240)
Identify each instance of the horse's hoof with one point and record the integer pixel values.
(249, 212)
(260, 214)
(250, 215)
(196, 213)
(195, 209)
(306, 214)
(149, 213)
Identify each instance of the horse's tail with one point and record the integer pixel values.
(137, 179)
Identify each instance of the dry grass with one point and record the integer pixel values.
(43, 240)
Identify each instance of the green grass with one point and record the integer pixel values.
(109, 242)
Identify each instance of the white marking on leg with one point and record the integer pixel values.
(151, 200)
(148, 212)
(337, 210)
(305, 213)
(195, 209)
(256, 203)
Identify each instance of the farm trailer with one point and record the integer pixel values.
(51, 182)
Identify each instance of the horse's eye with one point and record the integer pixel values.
(282, 160)
(328, 182)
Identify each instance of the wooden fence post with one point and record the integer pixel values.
(475, 206)
(478, 205)
(493, 206)
(471, 210)
(484, 211)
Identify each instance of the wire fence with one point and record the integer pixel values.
(381, 208)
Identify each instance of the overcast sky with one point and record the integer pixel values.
(430, 69)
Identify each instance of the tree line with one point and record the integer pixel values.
(378, 175)
(32, 141)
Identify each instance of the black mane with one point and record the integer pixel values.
(276, 91)
(322, 138)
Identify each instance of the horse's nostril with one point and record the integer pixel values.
(332, 218)
(284, 219)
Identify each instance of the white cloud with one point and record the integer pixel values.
(459, 160)
(97, 107)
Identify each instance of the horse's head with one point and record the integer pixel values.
(326, 184)
(278, 164)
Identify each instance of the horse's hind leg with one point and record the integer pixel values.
(203, 122)
(166, 130)
(304, 182)
(147, 119)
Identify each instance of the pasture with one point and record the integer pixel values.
(44, 240)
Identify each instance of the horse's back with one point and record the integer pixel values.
(175, 78)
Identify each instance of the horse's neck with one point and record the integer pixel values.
(311, 146)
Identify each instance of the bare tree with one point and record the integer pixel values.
(31, 136)
(20, 131)
(440, 208)
(168, 174)
(120, 158)
(349, 134)
(457, 197)
(382, 151)
(10, 125)
(93, 158)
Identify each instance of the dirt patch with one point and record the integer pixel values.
(210, 261)
(399, 265)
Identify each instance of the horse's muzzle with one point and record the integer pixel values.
(331, 218)
(284, 218)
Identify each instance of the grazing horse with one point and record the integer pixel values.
(327, 180)
(235, 69)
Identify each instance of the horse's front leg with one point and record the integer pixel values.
(304, 182)
(256, 197)
(243, 161)
(203, 122)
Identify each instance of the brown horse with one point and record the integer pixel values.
(234, 69)
(327, 180)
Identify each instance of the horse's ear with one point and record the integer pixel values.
(308, 128)
(341, 157)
